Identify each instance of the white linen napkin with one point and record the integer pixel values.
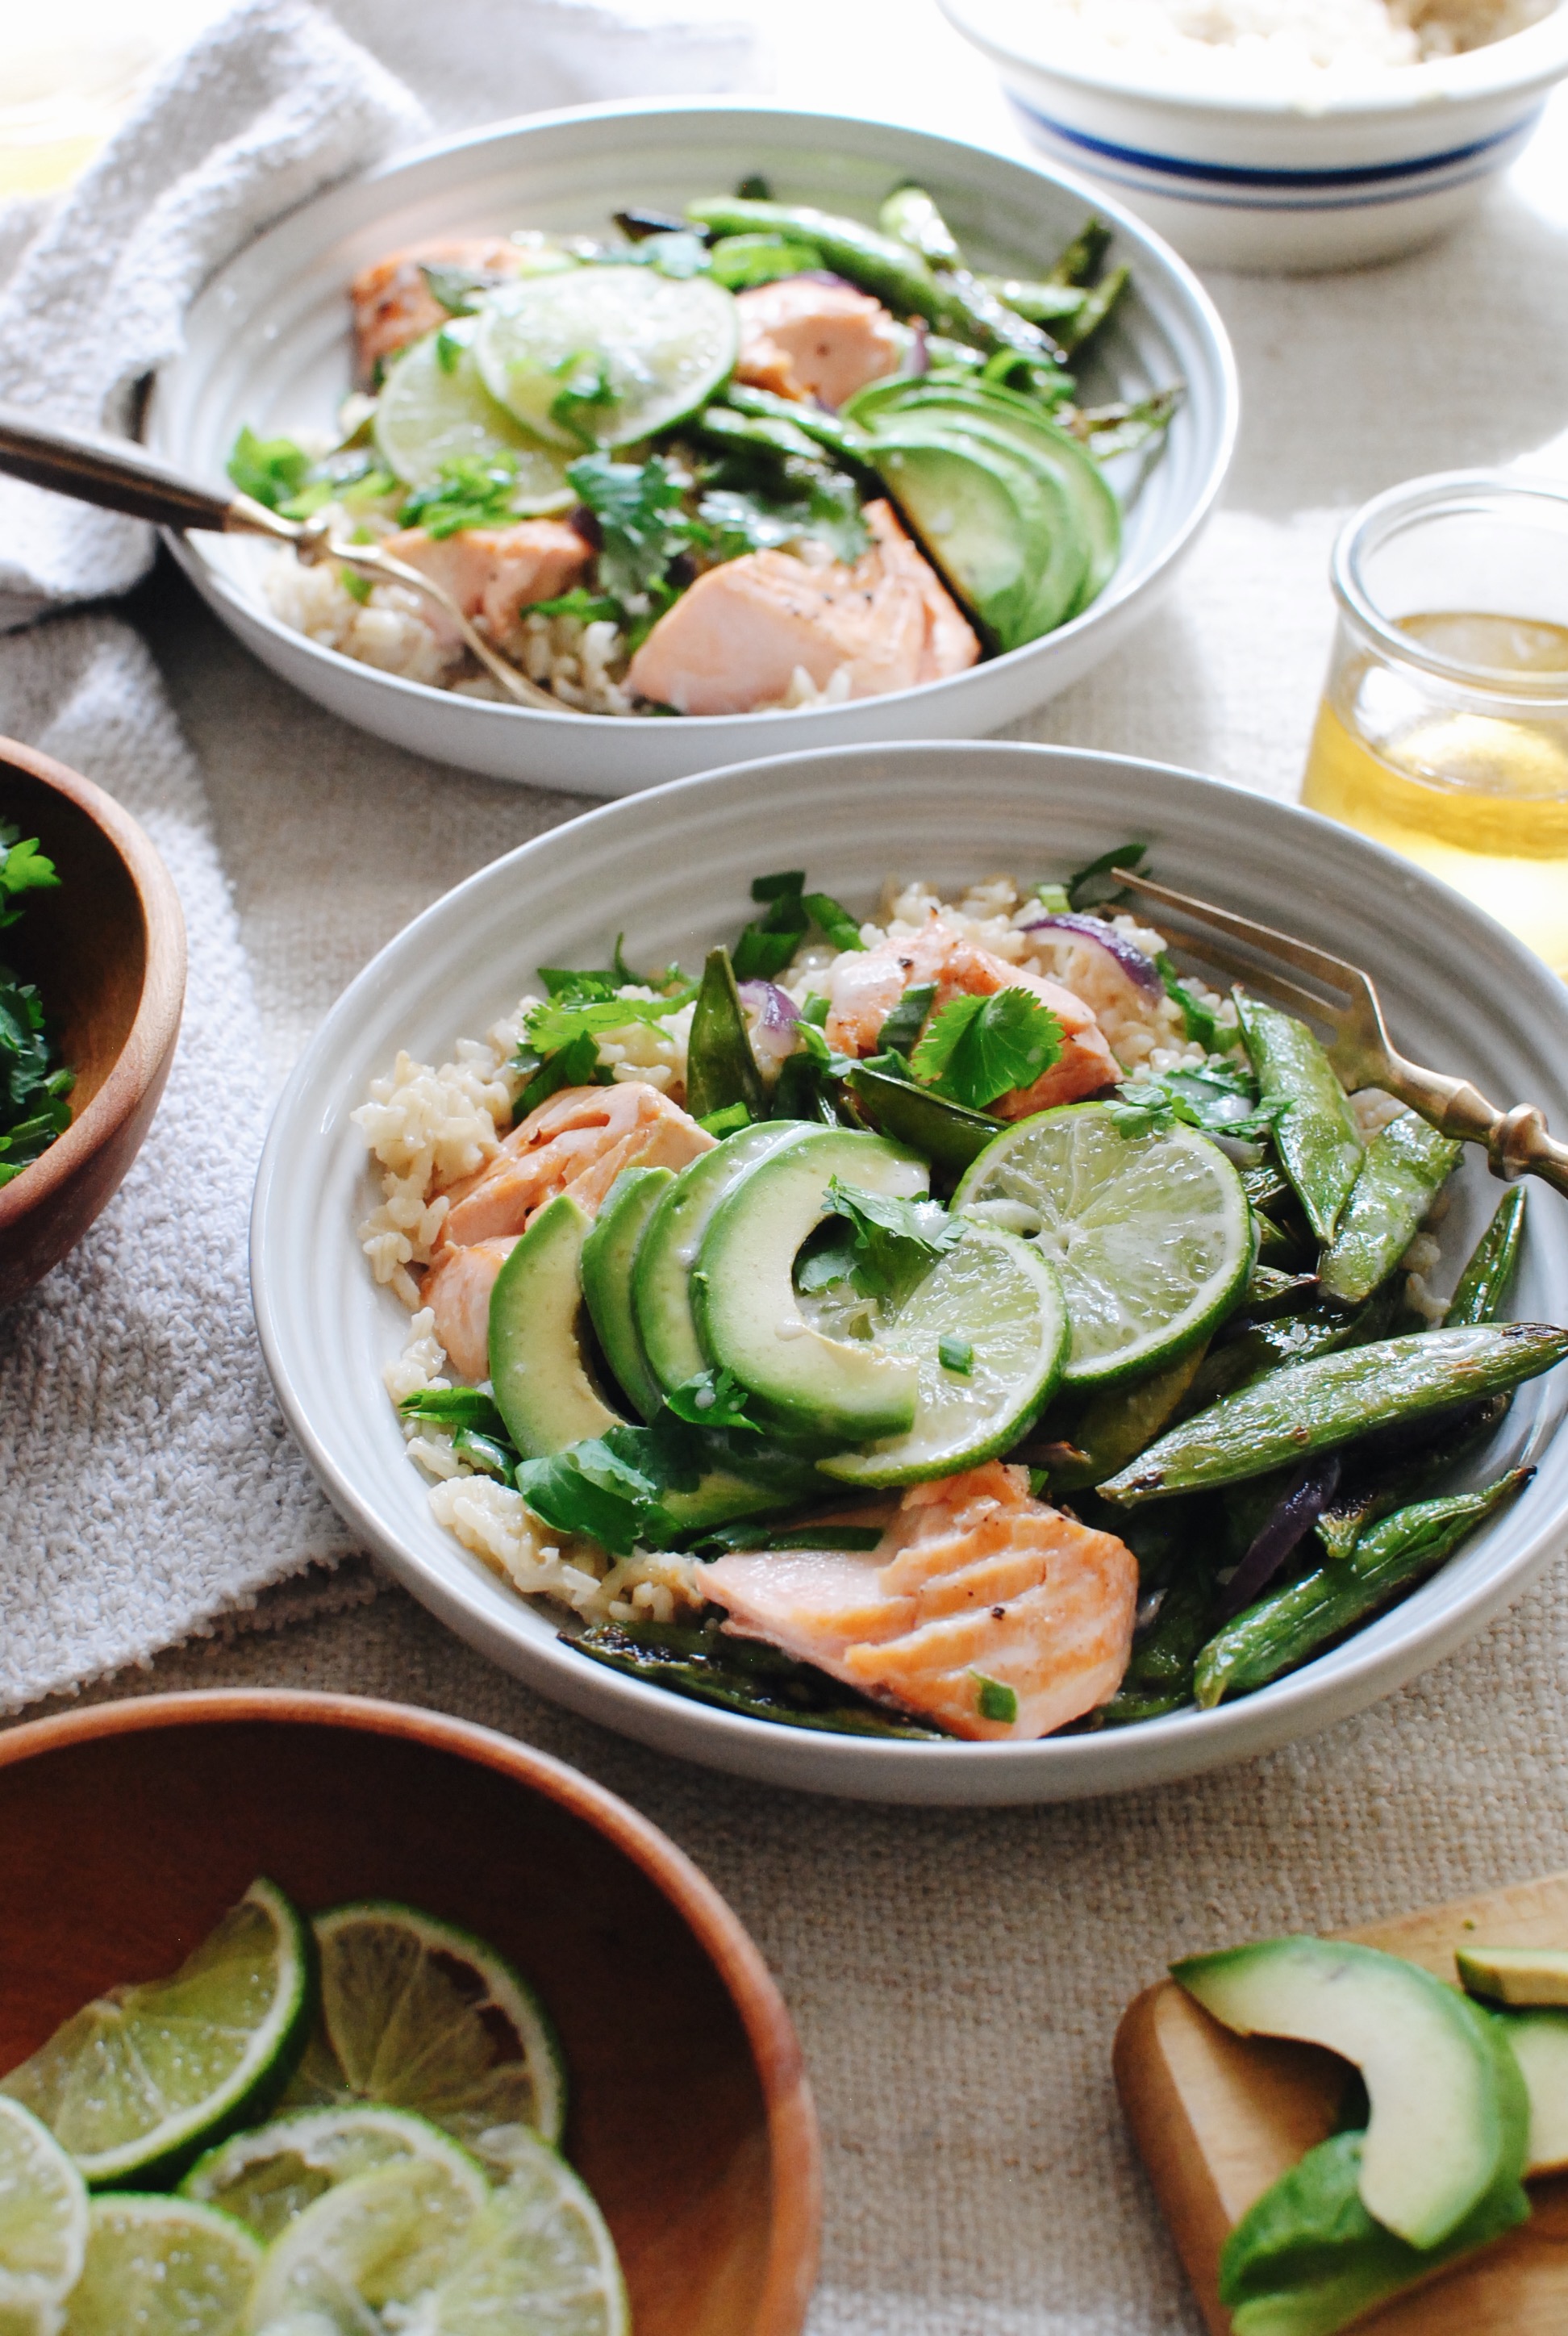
(148, 1487)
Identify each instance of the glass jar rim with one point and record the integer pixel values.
(1441, 493)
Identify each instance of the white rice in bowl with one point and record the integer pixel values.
(1283, 47)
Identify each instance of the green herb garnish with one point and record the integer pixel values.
(471, 491)
(993, 1700)
(33, 1084)
(766, 947)
(1094, 886)
(956, 1353)
(269, 470)
(976, 1049)
(896, 1242)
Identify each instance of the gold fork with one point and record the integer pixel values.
(1517, 1142)
(118, 476)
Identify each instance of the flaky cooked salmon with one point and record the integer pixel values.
(802, 338)
(863, 990)
(974, 1586)
(735, 641)
(392, 302)
(495, 572)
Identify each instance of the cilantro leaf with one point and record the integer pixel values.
(643, 526)
(471, 491)
(896, 1242)
(586, 389)
(457, 1407)
(976, 1049)
(269, 470)
(1091, 887)
(753, 518)
(23, 868)
(713, 1399)
(1199, 1020)
(1218, 1097)
(575, 1065)
(557, 1021)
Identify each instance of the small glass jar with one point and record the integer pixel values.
(1442, 730)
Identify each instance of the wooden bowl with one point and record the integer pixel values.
(130, 1827)
(107, 952)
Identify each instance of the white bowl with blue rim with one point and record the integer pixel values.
(266, 341)
(1347, 174)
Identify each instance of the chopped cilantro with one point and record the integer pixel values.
(976, 1049)
(1092, 886)
(33, 1084)
(1219, 1096)
(586, 389)
(826, 509)
(579, 602)
(357, 587)
(471, 491)
(993, 1700)
(269, 470)
(642, 525)
(574, 1015)
(574, 1065)
(1199, 1020)
(713, 1399)
(956, 1353)
(896, 1242)
(23, 868)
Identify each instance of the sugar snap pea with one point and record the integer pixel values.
(1052, 305)
(1317, 1405)
(883, 264)
(739, 1675)
(1484, 1284)
(721, 1069)
(1378, 1482)
(911, 215)
(945, 1133)
(1118, 1422)
(1283, 1629)
(724, 426)
(1275, 1343)
(1405, 1167)
(815, 421)
(1096, 306)
(1314, 1133)
(1080, 262)
(1269, 1291)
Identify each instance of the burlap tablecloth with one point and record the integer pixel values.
(957, 1977)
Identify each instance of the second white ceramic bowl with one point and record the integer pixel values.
(1258, 183)
(267, 343)
(671, 870)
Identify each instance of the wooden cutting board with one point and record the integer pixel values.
(1217, 2118)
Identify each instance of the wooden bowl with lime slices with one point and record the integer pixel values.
(106, 953)
(129, 1828)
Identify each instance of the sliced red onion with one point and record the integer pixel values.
(1133, 963)
(1296, 1511)
(773, 1032)
(918, 355)
(817, 275)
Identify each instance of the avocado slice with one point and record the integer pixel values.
(543, 1387)
(660, 1298)
(1517, 1975)
(744, 1297)
(993, 526)
(608, 1256)
(1449, 2112)
(1540, 2044)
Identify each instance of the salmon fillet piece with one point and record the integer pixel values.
(972, 1576)
(734, 641)
(393, 304)
(578, 1141)
(863, 988)
(803, 339)
(495, 572)
(458, 1287)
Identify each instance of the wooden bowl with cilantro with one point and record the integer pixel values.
(92, 984)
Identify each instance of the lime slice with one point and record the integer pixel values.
(416, 2014)
(42, 2219)
(435, 409)
(605, 355)
(161, 2267)
(537, 2262)
(136, 2082)
(382, 2239)
(268, 2175)
(1150, 1234)
(996, 1297)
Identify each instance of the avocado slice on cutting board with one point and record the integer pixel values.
(538, 1368)
(1449, 2119)
(748, 1314)
(608, 1254)
(1515, 1975)
(661, 1271)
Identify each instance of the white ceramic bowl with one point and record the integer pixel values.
(1253, 182)
(672, 870)
(267, 342)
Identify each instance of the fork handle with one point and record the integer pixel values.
(118, 476)
(1518, 1141)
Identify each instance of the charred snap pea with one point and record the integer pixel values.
(814, 421)
(724, 426)
(1117, 1423)
(1405, 1167)
(721, 1069)
(1378, 1483)
(883, 263)
(944, 1133)
(1314, 1133)
(1283, 1629)
(911, 215)
(1275, 1343)
(1270, 1292)
(1080, 263)
(1098, 305)
(1484, 1284)
(1052, 305)
(1320, 1405)
(739, 1675)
